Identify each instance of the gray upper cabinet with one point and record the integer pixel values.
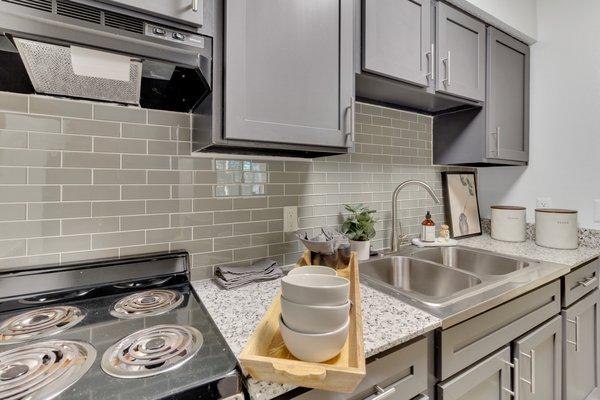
(581, 341)
(397, 40)
(289, 72)
(508, 97)
(461, 54)
(489, 379)
(189, 12)
(539, 356)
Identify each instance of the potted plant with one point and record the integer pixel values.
(359, 228)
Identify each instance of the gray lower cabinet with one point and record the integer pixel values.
(489, 379)
(397, 40)
(461, 45)
(581, 340)
(189, 12)
(507, 102)
(538, 356)
(289, 75)
(399, 374)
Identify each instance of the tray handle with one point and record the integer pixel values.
(304, 371)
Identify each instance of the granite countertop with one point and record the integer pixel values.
(529, 249)
(387, 321)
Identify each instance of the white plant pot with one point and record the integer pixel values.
(362, 248)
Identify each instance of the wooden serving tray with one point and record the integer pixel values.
(265, 356)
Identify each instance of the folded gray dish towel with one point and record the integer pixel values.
(233, 277)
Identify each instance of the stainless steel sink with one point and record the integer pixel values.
(470, 260)
(430, 283)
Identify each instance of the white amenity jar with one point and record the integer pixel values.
(508, 223)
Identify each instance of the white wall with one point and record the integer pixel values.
(517, 17)
(565, 117)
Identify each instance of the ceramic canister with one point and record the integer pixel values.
(508, 223)
(556, 228)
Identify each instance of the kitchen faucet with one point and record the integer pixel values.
(395, 205)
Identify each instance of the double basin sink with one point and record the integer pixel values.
(441, 276)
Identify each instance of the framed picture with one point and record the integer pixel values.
(461, 204)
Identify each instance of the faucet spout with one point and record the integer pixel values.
(395, 219)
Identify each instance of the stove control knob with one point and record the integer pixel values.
(159, 31)
(178, 36)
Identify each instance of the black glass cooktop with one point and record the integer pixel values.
(209, 373)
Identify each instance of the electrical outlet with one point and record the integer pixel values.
(290, 219)
(597, 210)
(543, 202)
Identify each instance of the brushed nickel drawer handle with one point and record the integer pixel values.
(383, 394)
(195, 5)
(587, 282)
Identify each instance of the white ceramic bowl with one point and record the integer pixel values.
(314, 319)
(315, 289)
(314, 347)
(313, 269)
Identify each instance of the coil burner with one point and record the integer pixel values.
(152, 351)
(41, 322)
(145, 304)
(43, 370)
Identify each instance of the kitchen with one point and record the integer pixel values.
(144, 149)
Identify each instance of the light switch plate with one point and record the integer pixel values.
(597, 210)
(543, 202)
(290, 219)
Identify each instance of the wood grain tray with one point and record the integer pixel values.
(265, 356)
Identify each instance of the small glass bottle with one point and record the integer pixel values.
(428, 229)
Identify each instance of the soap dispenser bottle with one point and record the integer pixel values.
(428, 229)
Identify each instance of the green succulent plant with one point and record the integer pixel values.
(360, 225)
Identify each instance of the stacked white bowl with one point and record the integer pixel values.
(314, 313)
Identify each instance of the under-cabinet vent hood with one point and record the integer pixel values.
(98, 51)
(79, 72)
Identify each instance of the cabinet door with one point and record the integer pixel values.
(461, 54)
(488, 379)
(397, 41)
(539, 355)
(288, 71)
(189, 12)
(580, 347)
(507, 97)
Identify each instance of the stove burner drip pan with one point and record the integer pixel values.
(43, 370)
(152, 351)
(39, 323)
(147, 303)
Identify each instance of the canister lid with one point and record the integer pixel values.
(513, 208)
(555, 211)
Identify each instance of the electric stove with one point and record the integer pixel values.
(127, 328)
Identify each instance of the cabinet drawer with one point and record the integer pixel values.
(402, 374)
(470, 341)
(580, 282)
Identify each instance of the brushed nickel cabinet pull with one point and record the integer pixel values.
(383, 394)
(195, 5)
(446, 61)
(431, 58)
(576, 342)
(531, 381)
(515, 367)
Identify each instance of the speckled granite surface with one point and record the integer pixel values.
(387, 321)
(529, 249)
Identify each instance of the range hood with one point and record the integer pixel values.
(102, 52)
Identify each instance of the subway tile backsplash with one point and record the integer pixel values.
(82, 180)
